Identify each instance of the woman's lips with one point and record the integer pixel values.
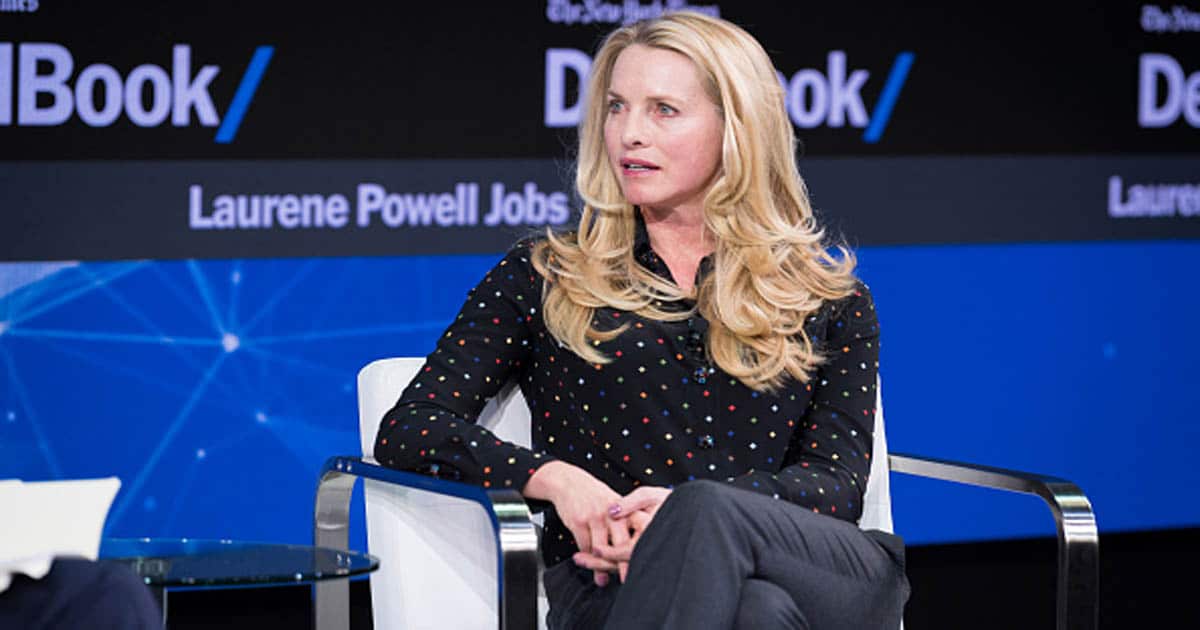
(632, 167)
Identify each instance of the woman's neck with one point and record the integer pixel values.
(677, 231)
(680, 239)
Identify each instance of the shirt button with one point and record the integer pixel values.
(705, 441)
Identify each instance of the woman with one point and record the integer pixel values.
(700, 370)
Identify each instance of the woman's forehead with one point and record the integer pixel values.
(642, 70)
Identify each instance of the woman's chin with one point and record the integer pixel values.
(638, 198)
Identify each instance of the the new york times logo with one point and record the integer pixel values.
(18, 6)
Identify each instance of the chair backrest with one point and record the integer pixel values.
(454, 561)
(437, 554)
(877, 500)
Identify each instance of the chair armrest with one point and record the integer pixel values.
(516, 537)
(1078, 594)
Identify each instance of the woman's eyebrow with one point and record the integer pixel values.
(655, 96)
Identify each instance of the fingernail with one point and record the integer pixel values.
(614, 510)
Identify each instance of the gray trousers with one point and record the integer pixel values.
(720, 557)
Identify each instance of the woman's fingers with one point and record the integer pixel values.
(638, 522)
(645, 498)
(598, 530)
(611, 545)
(597, 537)
(616, 553)
(619, 547)
(630, 503)
(610, 549)
(605, 525)
(582, 536)
(593, 562)
(618, 533)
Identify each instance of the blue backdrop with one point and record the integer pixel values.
(216, 388)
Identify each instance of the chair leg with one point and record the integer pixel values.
(1077, 604)
(331, 528)
(519, 569)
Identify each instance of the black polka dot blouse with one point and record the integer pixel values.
(661, 413)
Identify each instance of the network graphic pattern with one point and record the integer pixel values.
(213, 389)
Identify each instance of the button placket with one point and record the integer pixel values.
(702, 372)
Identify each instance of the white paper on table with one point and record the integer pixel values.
(40, 520)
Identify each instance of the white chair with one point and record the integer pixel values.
(458, 556)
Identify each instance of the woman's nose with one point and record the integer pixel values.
(633, 131)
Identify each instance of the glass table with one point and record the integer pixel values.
(170, 563)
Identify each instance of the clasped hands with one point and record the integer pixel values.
(606, 526)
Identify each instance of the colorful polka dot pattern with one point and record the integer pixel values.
(661, 413)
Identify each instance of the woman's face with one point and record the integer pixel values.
(662, 133)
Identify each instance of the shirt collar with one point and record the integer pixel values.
(641, 238)
(644, 253)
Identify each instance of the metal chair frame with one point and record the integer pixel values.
(1078, 577)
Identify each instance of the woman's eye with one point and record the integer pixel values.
(615, 106)
(665, 109)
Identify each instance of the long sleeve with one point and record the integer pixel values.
(828, 458)
(432, 429)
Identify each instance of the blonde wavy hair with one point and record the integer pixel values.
(771, 267)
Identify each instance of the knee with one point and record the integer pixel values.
(702, 497)
(763, 604)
